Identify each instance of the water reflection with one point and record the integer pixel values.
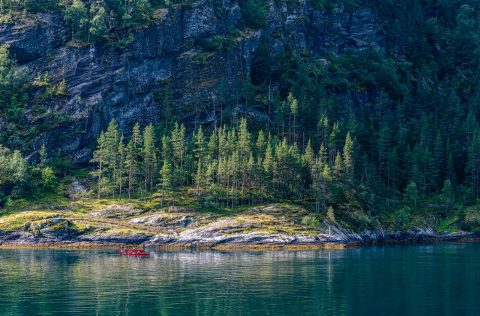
(413, 280)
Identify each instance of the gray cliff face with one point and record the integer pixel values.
(105, 82)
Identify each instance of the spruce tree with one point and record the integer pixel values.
(473, 164)
(308, 156)
(167, 178)
(213, 146)
(439, 159)
(201, 152)
(383, 145)
(179, 154)
(76, 17)
(293, 105)
(393, 172)
(131, 165)
(167, 172)
(411, 195)
(121, 164)
(98, 23)
(348, 156)
(333, 142)
(149, 157)
(339, 165)
(244, 140)
(111, 155)
(319, 179)
(43, 155)
(99, 158)
(447, 196)
(325, 184)
(260, 144)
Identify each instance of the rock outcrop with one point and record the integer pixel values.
(271, 226)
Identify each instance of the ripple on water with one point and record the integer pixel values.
(439, 279)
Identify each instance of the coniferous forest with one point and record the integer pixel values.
(391, 131)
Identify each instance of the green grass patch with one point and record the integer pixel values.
(18, 221)
(448, 224)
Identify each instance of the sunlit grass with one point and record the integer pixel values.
(447, 225)
(17, 221)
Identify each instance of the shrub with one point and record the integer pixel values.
(472, 220)
(402, 217)
(49, 180)
(254, 13)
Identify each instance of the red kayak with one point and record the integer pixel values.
(133, 252)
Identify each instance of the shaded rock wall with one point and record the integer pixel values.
(105, 82)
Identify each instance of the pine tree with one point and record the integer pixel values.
(439, 159)
(149, 157)
(260, 145)
(213, 146)
(231, 145)
(393, 172)
(201, 152)
(121, 164)
(428, 172)
(222, 142)
(348, 156)
(451, 173)
(447, 196)
(308, 156)
(76, 16)
(179, 154)
(325, 184)
(99, 158)
(111, 155)
(251, 176)
(411, 195)
(323, 155)
(98, 23)
(137, 139)
(167, 178)
(244, 140)
(293, 105)
(323, 126)
(330, 215)
(131, 164)
(234, 172)
(473, 165)
(339, 165)
(268, 165)
(211, 173)
(43, 155)
(319, 181)
(471, 125)
(166, 172)
(333, 141)
(133, 160)
(383, 144)
(244, 147)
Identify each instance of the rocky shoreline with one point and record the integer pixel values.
(274, 226)
(339, 238)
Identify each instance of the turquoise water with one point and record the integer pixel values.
(438, 279)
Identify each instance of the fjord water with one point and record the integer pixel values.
(435, 279)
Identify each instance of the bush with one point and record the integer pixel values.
(312, 221)
(207, 201)
(472, 220)
(321, 4)
(254, 13)
(49, 180)
(402, 217)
